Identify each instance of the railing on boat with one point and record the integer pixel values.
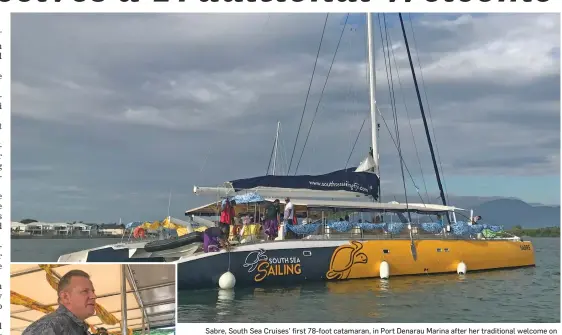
(380, 231)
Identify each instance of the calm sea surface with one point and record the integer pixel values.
(49, 250)
(522, 295)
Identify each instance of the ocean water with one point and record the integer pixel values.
(49, 250)
(520, 295)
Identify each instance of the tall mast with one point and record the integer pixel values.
(276, 146)
(169, 203)
(372, 101)
(442, 193)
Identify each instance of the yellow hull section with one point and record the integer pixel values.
(362, 259)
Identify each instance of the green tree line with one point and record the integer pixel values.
(538, 232)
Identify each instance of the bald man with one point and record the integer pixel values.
(77, 301)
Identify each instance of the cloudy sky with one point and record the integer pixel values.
(112, 112)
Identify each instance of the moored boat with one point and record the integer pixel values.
(341, 250)
(378, 240)
(188, 241)
(353, 249)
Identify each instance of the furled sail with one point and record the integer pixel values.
(367, 165)
(342, 180)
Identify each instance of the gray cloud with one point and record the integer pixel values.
(111, 112)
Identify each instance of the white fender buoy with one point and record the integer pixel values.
(461, 268)
(227, 281)
(384, 270)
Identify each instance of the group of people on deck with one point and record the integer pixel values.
(273, 219)
(273, 223)
(216, 237)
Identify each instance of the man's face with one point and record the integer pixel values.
(79, 297)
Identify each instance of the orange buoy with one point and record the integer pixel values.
(139, 232)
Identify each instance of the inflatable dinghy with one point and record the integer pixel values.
(175, 242)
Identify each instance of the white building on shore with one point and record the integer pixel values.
(53, 228)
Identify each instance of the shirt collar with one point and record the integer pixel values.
(64, 311)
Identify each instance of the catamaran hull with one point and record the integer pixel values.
(294, 262)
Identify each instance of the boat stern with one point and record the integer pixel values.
(526, 252)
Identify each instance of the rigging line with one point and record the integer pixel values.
(395, 113)
(308, 93)
(354, 94)
(356, 139)
(322, 93)
(441, 192)
(355, 101)
(392, 138)
(270, 157)
(385, 64)
(389, 76)
(280, 152)
(280, 160)
(428, 107)
(409, 121)
(284, 152)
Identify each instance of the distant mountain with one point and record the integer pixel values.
(508, 212)
(512, 212)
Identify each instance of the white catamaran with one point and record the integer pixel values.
(344, 234)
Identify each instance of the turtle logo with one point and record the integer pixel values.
(254, 258)
(344, 258)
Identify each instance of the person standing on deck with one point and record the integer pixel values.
(271, 224)
(227, 216)
(288, 216)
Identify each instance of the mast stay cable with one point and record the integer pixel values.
(428, 107)
(409, 122)
(322, 93)
(308, 93)
(443, 199)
